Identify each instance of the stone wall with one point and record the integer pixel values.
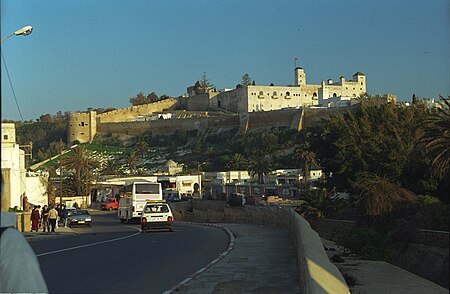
(330, 229)
(169, 126)
(130, 113)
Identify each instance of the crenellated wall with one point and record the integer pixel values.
(289, 118)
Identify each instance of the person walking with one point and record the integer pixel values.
(35, 218)
(65, 215)
(44, 219)
(52, 217)
(59, 211)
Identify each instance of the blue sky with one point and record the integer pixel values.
(99, 53)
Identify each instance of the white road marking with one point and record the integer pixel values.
(91, 244)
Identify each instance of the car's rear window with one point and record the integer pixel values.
(156, 208)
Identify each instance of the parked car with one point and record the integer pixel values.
(70, 210)
(156, 215)
(79, 218)
(110, 204)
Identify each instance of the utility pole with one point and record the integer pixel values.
(28, 148)
(60, 170)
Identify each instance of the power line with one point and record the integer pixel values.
(12, 88)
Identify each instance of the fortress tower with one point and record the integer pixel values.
(82, 127)
(300, 76)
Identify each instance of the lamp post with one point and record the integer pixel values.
(25, 31)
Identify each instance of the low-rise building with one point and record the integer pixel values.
(13, 168)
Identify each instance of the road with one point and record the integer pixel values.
(116, 258)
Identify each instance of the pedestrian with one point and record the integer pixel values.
(35, 218)
(52, 217)
(75, 205)
(44, 219)
(19, 268)
(65, 215)
(59, 210)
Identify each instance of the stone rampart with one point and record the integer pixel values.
(125, 128)
(317, 274)
(169, 126)
(130, 113)
(289, 118)
(267, 119)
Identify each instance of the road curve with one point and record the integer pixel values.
(113, 258)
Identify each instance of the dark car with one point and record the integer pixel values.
(79, 218)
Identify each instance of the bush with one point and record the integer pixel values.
(366, 243)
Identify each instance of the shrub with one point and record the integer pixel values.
(366, 243)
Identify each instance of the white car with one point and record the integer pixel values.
(156, 215)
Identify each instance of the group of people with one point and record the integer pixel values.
(48, 217)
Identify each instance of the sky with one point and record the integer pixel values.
(99, 53)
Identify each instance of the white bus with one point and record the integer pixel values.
(133, 198)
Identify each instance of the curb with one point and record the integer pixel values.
(216, 260)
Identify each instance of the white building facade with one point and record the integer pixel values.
(13, 167)
(266, 98)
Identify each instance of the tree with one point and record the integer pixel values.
(140, 99)
(436, 139)
(246, 80)
(132, 161)
(318, 203)
(203, 85)
(378, 196)
(110, 168)
(382, 140)
(141, 148)
(259, 167)
(237, 162)
(152, 97)
(307, 157)
(81, 166)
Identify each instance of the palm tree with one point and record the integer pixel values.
(307, 157)
(132, 161)
(142, 148)
(437, 139)
(259, 167)
(318, 203)
(82, 166)
(110, 168)
(237, 162)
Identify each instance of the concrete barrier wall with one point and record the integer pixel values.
(317, 274)
(23, 222)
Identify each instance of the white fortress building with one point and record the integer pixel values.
(253, 98)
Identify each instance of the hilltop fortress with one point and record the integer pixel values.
(246, 107)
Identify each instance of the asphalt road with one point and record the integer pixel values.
(116, 258)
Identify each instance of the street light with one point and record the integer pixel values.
(25, 31)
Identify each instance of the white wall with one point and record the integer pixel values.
(13, 158)
(36, 188)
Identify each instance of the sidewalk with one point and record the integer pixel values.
(262, 260)
(59, 232)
